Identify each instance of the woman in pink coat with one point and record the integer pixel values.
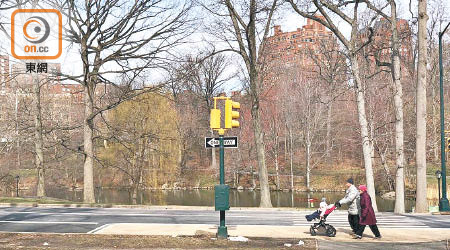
(367, 216)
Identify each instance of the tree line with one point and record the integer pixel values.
(146, 101)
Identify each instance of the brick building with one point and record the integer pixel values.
(61, 103)
(293, 56)
(292, 47)
(14, 77)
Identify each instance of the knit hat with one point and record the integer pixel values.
(324, 199)
(363, 188)
(350, 180)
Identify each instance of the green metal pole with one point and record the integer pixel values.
(222, 165)
(443, 203)
(222, 231)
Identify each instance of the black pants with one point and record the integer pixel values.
(374, 229)
(353, 220)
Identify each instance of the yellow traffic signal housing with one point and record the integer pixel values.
(230, 114)
(215, 119)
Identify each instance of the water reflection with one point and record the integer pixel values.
(238, 198)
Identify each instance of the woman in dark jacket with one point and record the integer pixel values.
(367, 216)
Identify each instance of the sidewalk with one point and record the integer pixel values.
(398, 235)
(149, 207)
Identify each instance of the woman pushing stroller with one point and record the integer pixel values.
(360, 210)
(367, 215)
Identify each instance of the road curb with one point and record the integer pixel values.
(440, 213)
(149, 207)
(390, 235)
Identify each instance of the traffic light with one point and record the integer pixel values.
(215, 119)
(230, 114)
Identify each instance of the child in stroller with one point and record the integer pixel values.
(322, 213)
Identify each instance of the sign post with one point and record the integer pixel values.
(222, 191)
(222, 231)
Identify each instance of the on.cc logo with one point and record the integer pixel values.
(32, 29)
(36, 34)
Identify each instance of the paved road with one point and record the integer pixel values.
(333, 245)
(85, 220)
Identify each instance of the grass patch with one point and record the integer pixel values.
(207, 181)
(34, 200)
(91, 241)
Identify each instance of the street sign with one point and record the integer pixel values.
(228, 142)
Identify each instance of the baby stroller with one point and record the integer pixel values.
(329, 229)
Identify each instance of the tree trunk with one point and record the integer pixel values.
(371, 142)
(17, 132)
(435, 124)
(386, 170)
(285, 145)
(39, 142)
(261, 158)
(253, 178)
(421, 111)
(308, 166)
(308, 157)
(291, 158)
(361, 105)
(88, 178)
(328, 139)
(277, 177)
(398, 104)
(134, 193)
(180, 161)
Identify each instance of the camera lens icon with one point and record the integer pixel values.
(36, 29)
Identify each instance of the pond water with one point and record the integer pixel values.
(239, 198)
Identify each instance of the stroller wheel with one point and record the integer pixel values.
(331, 231)
(312, 231)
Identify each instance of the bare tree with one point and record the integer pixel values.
(353, 46)
(204, 76)
(421, 110)
(250, 25)
(331, 69)
(398, 103)
(39, 141)
(273, 137)
(395, 70)
(138, 36)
